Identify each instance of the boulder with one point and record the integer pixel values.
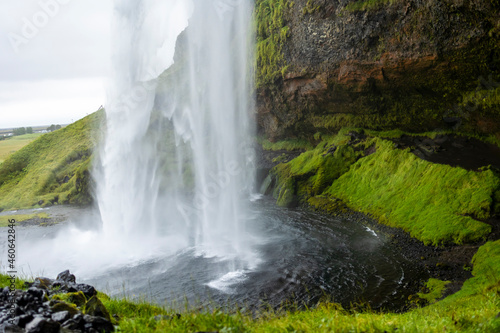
(42, 325)
(94, 307)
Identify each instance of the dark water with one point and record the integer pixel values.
(302, 257)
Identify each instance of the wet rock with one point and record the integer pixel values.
(61, 316)
(36, 293)
(356, 137)
(98, 323)
(21, 321)
(9, 328)
(42, 283)
(87, 290)
(35, 312)
(76, 323)
(331, 150)
(42, 325)
(66, 277)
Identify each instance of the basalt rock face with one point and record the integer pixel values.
(415, 65)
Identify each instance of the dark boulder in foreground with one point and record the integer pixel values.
(59, 305)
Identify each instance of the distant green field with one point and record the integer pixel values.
(13, 144)
(52, 169)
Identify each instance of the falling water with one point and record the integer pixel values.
(175, 174)
(176, 165)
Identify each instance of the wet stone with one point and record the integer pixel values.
(21, 321)
(9, 328)
(42, 325)
(60, 316)
(66, 277)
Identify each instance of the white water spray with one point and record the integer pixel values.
(176, 160)
(176, 168)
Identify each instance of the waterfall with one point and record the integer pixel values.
(177, 163)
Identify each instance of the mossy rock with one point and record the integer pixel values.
(327, 204)
(94, 307)
(63, 306)
(77, 298)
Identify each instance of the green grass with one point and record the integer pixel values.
(437, 204)
(473, 309)
(314, 170)
(4, 219)
(52, 169)
(435, 290)
(13, 144)
(433, 202)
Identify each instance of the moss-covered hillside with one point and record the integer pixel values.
(53, 169)
(435, 203)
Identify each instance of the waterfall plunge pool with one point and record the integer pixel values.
(303, 257)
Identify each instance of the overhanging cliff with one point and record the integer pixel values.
(416, 65)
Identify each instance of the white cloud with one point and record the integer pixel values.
(53, 75)
(49, 102)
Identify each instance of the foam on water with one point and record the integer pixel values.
(226, 282)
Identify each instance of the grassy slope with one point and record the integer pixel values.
(13, 144)
(436, 204)
(432, 202)
(472, 309)
(52, 169)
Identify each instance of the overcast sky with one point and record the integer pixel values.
(54, 60)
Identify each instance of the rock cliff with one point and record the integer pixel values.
(416, 65)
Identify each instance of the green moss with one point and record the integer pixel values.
(52, 169)
(272, 32)
(60, 307)
(436, 204)
(435, 291)
(327, 204)
(314, 170)
(368, 5)
(310, 8)
(78, 298)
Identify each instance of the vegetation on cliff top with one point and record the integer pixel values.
(52, 169)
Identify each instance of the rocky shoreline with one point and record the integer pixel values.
(448, 263)
(59, 305)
